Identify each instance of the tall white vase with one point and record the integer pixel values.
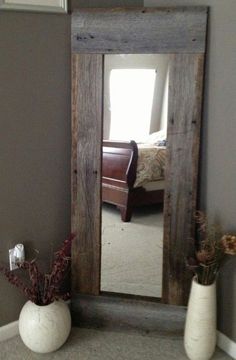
(200, 326)
(44, 329)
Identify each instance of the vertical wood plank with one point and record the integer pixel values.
(184, 122)
(74, 139)
(87, 111)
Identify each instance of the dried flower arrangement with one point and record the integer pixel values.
(43, 288)
(211, 252)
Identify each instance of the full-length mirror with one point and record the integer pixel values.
(124, 108)
(135, 108)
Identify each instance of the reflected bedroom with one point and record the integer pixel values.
(133, 173)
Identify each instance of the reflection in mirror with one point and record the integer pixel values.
(134, 150)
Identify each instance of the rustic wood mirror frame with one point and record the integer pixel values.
(180, 32)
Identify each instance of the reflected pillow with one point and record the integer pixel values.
(161, 143)
(156, 137)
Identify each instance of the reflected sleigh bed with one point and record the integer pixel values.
(132, 175)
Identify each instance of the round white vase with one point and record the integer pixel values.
(44, 329)
(200, 325)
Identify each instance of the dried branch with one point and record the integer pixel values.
(211, 251)
(43, 288)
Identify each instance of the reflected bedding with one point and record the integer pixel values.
(151, 164)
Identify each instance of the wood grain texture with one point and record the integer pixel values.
(117, 313)
(139, 30)
(120, 163)
(87, 113)
(184, 121)
(74, 139)
(119, 169)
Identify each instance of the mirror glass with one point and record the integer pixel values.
(133, 172)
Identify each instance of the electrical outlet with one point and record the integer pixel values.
(12, 259)
(16, 255)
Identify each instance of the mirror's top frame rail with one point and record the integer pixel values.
(162, 30)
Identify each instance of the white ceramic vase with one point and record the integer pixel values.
(200, 326)
(44, 329)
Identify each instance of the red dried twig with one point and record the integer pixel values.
(43, 288)
(15, 280)
(211, 250)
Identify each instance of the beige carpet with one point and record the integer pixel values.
(132, 252)
(90, 344)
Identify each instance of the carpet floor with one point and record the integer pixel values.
(132, 252)
(90, 344)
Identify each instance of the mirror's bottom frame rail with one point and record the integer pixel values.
(118, 313)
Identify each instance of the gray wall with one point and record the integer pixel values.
(218, 160)
(34, 139)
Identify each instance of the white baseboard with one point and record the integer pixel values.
(9, 331)
(227, 345)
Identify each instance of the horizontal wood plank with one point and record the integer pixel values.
(113, 312)
(139, 30)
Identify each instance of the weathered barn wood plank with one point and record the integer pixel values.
(86, 162)
(74, 139)
(139, 30)
(112, 312)
(184, 121)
